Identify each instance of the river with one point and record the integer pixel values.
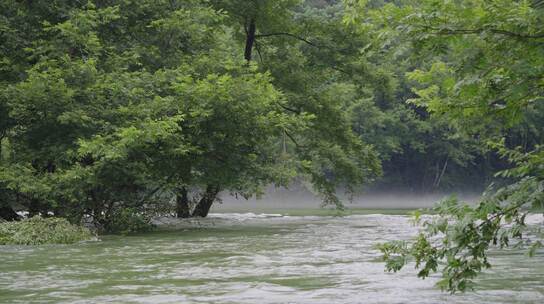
(305, 257)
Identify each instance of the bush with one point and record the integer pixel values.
(128, 220)
(38, 230)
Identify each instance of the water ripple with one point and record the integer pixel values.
(250, 258)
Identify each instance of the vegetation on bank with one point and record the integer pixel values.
(38, 230)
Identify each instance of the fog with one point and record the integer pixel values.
(302, 197)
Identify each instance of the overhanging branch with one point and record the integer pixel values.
(289, 35)
(293, 139)
(443, 31)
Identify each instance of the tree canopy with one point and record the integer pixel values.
(113, 105)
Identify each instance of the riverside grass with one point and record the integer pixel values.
(38, 231)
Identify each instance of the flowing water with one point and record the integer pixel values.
(250, 258)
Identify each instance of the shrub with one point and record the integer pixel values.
(128, 220)
(38, 230)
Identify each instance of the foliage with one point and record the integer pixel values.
(462, 235)
(480, 70)
(483, 58)
(419, 152)
(127, 220)
(38, 230)
(121, 105)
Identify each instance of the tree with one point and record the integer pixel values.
(295, 43)
(482, 73)
(120, 107)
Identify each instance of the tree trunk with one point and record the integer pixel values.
(437, 184)
(182, 204)
(250, 39)
(205, 203)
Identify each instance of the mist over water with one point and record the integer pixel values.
(302, 197)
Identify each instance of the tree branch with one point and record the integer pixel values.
(501, 213)
(287, 34)
(442, 31)
(288, 108)
(258, 51)
(334, 67)
(292, 139)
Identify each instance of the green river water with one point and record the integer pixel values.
(288, 257)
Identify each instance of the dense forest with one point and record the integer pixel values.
(112, 112)
(108, 105)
